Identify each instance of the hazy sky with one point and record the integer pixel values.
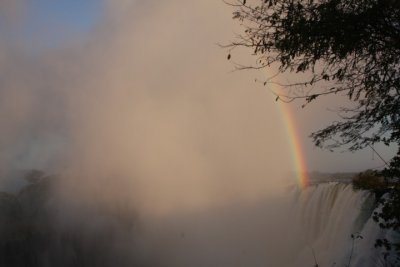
(57, 47)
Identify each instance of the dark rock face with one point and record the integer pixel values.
(38, 231)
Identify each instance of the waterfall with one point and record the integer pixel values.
(332, 225)
(328, 223)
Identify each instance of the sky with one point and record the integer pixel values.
(59, 19)
(46, 24)
(146, 81)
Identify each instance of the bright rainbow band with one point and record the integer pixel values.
(295, 145)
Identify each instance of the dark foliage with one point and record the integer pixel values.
(369, 180)
(345, 46)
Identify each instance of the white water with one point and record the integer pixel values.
(326, 216)
(274, 232)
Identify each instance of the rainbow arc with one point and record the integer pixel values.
(298, 157)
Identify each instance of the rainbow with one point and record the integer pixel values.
(295, 145)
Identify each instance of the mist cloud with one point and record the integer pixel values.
(144, 109)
